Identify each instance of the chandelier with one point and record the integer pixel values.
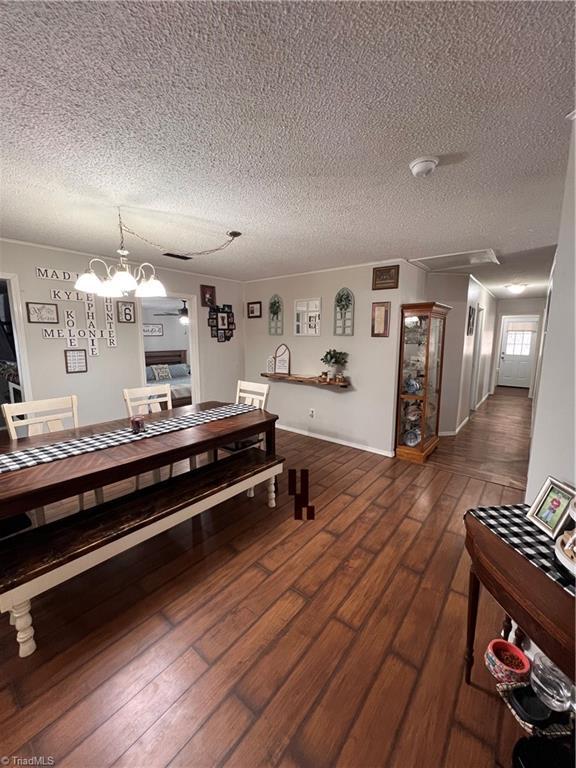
(118, 280)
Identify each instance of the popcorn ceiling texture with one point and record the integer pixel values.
(292, 122)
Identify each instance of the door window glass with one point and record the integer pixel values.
(518, 343)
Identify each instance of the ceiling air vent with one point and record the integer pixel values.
(177, 256)
(454, 262)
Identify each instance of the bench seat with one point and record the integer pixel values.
(43, 557)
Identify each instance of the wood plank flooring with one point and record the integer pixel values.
(246, 638)
(495, 443)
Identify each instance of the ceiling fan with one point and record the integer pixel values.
(182, 314)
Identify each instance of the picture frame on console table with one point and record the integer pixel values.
(551, 507)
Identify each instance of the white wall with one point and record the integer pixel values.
(363, 414)
(175, 334)
(552, 451)
(100, 390)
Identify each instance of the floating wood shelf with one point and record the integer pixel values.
(313, 381)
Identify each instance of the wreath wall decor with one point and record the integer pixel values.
(344, 313)
(276, 316)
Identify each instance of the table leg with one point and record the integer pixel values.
(473, 596)
(271, 441)
(506, 627)
(519, 636)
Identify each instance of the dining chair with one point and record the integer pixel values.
(143, 400)
(35, 417)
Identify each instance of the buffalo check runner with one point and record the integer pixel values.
(44, 454)
(510, 524)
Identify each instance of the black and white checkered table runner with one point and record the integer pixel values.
(512, 526)
(30, 457)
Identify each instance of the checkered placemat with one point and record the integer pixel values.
(30, 457)
(511, 525)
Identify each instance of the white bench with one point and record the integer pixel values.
(44, 557)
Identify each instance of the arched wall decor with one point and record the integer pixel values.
(275, 316)
(344, 313)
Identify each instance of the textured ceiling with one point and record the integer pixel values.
(292, 122)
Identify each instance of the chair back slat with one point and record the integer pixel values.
(34, 417)
(143, 400)
(252, 393)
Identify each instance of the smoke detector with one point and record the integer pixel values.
(423, 166)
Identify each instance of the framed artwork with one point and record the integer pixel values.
(552, 507)
(228, 334)
(471, 321)
(344, 313)
(152, 329)
(214, 332)
(223, 321)
(42, 313)
(213, 321)
(76, 360)
(307, 314)
(282, 359)
(254, 309)
(385, 277)
(126, 311)
(227, 308)
(207, 296)
(381, 319)
(221, 335)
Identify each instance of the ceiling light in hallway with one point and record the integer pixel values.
(516, 288)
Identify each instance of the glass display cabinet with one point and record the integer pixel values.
(420, 379)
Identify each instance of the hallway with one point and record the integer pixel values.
(495, 443)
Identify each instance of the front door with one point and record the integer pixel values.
(517, 352)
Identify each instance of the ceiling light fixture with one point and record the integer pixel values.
(119, 280)
(516, 288)
(423, 166)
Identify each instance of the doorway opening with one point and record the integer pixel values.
(518, 350)
(14, 382)
(170, 346)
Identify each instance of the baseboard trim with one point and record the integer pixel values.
(347, 443)
(452, 434)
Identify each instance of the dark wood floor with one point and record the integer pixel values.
(495, 443)
(247, 638)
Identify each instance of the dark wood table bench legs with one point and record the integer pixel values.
(473, 597)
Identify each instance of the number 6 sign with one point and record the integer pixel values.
(126, 312)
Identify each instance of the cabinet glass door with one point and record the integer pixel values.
(433, 375)
(414, 354)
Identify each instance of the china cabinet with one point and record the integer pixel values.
(420, 379)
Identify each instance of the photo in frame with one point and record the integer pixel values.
(221, 335)
(214, 332)
(223, 321)
(126, 311)
(381, 319)
(76, 360)
(471, 321)
(551, 507)
(385, 277)
(152, 329)
(39, 312)
(254, 309)
(207, 296)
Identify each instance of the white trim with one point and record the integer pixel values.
(452, 434)
(17, 315)
(330, 269)
(347, 443)
(484, 287)
(113, 261)
(486, 396)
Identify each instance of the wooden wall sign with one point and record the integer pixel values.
(282, 360)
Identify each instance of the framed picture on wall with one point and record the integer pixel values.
(38, 312)
(223, 321)
(207, 296)
(471, 321)
(254, 309)
(76, 361)
(381, 319)
(152, 329)
(126, 311)
(385, 277)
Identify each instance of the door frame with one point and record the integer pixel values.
(193, 342)
(17, 314)
(538, 320)
(476, 356)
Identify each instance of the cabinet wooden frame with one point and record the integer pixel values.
(420, 452)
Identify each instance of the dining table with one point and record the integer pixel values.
(32, 487)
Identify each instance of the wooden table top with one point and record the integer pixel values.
(25, 489)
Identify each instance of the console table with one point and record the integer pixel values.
(514, 560)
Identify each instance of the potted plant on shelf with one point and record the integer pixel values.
(336, 361)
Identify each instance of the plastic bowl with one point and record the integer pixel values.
(506, 662)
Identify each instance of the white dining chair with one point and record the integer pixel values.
(35, 417)
(143, 400)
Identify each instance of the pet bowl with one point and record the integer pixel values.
(506, 662)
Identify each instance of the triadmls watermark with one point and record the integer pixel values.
(32, 760)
